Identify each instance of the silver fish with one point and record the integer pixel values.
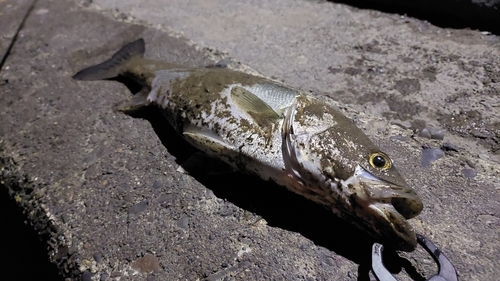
(278, 133)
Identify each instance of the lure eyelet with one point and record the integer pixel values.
(380, 160)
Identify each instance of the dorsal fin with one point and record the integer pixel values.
(260, 111)
(115, 65)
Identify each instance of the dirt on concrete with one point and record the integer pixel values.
(101, 188)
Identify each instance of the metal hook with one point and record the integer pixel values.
(446, 272)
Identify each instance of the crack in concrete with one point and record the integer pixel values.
(14, 39)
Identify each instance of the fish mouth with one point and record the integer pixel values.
(384, 209)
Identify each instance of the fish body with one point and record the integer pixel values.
(262, 127)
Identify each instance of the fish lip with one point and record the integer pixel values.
(380, 217)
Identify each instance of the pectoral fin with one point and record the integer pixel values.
(133, 104)
(260, 111)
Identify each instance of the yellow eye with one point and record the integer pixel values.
(380, 160)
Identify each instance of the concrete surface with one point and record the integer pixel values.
(12, 14)
(102, 190)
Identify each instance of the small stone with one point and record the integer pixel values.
(402, 124)
(224, 265)
(469, 173)
(470, 163)
(432, 133)
(246, 241)
(86, 276)
(138, 208)
(223, 63)
(103, 277)
(92, 171)
(430, 155)
(488, 219)
(98, 257)
(446, 146)
(146, 264)
(183, 222)
(425, 134)
(329, 261)
(436, 133)
(65, 218)
(157, 184)
(129, 198)
(165, 198)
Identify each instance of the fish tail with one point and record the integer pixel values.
(116, 65)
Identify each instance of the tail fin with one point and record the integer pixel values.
(114, 66)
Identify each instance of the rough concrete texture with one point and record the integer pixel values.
(11, 16)
(102, 188)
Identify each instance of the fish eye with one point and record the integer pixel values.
(380, 160)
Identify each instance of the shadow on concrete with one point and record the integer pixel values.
(458, 14)
(24, 255)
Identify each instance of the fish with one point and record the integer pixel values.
(265, 128)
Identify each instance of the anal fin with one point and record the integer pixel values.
(207, 141)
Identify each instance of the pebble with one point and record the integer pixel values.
(98, 257)
(430, 155)
(469, 173)
(92, 171)
(246, 241)
(104, 276)
(446, 146)
(157, 184)
(87, 276)
(129, 198)
(165, 198)
(470, 163)
(329, 261)
(138, 208)
(65, 218)
(146, 264)
(432, 133)
(223, 63)
(488, 219)
(402, 124)
(183, 222)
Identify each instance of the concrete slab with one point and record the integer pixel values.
(102, 190)
(12, 14)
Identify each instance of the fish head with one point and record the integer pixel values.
(333, 162)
